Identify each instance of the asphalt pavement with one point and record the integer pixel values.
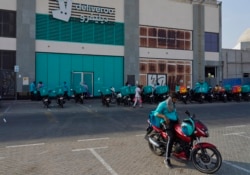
(91, 139)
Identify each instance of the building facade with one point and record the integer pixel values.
(107, 43)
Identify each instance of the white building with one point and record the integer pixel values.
(106, 43)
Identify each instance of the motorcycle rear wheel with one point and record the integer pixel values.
(159, 151)
(206, 160)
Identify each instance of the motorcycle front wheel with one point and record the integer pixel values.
(206, 160)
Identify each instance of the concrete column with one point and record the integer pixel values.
(131, 55)
(220, 65)
(25, 48)
(198, 43)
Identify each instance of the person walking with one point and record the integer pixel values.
(38, 88)
(32, 90)
(137, 98)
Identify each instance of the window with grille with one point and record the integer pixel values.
(166, 38)
(211, 42)
(7, 23)
(7, 60)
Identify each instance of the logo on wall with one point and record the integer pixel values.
(153, 79)
(64, 11)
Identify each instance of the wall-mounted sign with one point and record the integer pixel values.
(153, 79)
(16, 68)
(25, 80)
(65, 9)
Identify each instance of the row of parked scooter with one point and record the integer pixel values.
(201, 93)
(58, 95)
(125, 95)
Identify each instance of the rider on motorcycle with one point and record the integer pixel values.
(166, 111)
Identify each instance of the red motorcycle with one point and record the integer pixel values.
(205, 156)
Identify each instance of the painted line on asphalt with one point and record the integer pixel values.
(236, 166)
(98, 157)
(7, 110)
(95, 139)
(87, 149)
(105, 164)
(244, 136)
(238, 134)
(18, 146)
(140, 135)
(42, 152)
(234, 133)
(51, 117)
(4, 112)
(236, 126)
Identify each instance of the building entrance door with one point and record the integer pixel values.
(80, 77)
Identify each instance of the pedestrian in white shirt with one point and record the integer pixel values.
(137, 98)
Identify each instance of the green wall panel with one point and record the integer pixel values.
(77, 32)
(99, 33)
(118, 72)
(41, 32)
(119, 34)
(88, 33)
(98, 73)
(109, 34)
(108, 71)
(88, 63)
(53, 69)
(48, 28)
(66, 32)
(65, 68)
(54, 28)
(41, 68)
(76, 63)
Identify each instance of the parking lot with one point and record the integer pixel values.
(90, 139)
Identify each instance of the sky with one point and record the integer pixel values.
(235, 20)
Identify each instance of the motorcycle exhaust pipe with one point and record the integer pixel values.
(153, 142)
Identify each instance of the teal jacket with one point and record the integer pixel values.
(162, 109)
(32, 87)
